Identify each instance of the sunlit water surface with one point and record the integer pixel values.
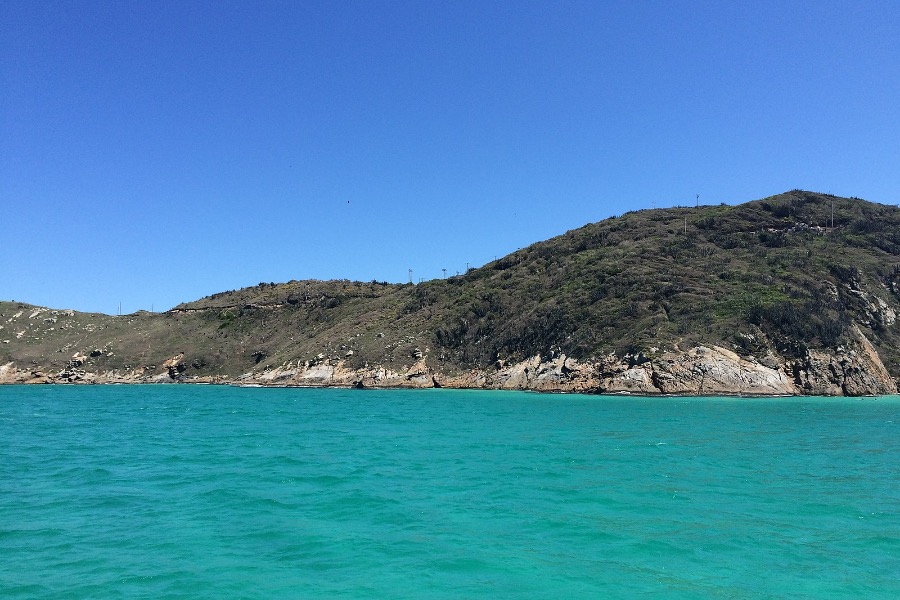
(222, 492)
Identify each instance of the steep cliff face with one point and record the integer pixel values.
(767, 297)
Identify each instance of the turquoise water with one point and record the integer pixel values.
(218, 492)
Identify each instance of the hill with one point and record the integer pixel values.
(796, 293)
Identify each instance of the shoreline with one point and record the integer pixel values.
(608, 394)
(698, 372)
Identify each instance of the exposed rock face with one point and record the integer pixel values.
(848, 372)
(715, 370)
(175, 366)
(851, 370)
(9, 374)
(700, 370)
(78, 359)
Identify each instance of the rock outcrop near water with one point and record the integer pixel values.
(699, 371)
(775, 296)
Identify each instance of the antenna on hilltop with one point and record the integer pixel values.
(410, 275)
(445, 273)
(698, 200)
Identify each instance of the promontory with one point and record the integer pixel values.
(797, 293)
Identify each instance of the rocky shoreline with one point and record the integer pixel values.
(699, 371)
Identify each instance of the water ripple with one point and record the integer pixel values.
(212, 492)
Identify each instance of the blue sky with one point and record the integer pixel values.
(157, 152)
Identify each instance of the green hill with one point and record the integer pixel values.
(777, 279)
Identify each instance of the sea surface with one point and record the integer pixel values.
(178, 491)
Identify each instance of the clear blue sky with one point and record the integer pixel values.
(158, 152)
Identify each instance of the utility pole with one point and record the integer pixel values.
(445, 273)
(698, 200)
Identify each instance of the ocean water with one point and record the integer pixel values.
(220, 492)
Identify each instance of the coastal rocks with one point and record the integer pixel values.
(175, 366)
(699, 371)
(702, 370)
(39, 377)
(716, 370)
(9, 373)
(631, 380)
(419, 375)
(71, 375)
(78, 360)
(557, 372)
(275, 376)
(855, 371)
(320, 373)
(378, 377)
(517, 376)
(537, 373)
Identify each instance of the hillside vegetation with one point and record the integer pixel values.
(772, 277)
